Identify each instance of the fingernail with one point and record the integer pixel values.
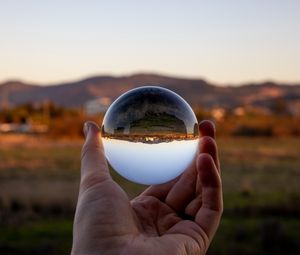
(86, 128)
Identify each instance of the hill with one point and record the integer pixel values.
(196, 91)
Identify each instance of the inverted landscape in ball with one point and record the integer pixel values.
(150, 135)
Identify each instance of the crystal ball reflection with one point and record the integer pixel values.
(150, 135)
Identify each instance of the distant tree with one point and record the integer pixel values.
(279, 107)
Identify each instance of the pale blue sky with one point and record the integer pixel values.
(224, 41)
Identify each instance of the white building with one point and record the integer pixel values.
(96, 106)
(25, 128)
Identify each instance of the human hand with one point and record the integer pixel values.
(179, 217)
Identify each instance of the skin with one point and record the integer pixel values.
(179, 217)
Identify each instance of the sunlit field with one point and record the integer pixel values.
(39, 181)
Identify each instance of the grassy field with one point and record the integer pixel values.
(261, 177)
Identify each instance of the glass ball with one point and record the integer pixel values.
(150, 135)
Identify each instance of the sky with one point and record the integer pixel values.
(153, 163)
(223, 41)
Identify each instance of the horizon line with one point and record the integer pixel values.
(162, 74)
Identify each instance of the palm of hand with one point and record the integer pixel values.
(165, 231)
(144, 226)
(106, 222)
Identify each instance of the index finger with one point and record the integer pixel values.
(208, 143)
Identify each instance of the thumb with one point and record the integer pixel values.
(93, 161)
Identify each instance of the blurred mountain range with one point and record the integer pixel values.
(196, 91)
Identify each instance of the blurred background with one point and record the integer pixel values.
(236, 63)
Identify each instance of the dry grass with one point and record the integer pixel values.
(35, 169)
(39, 181)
